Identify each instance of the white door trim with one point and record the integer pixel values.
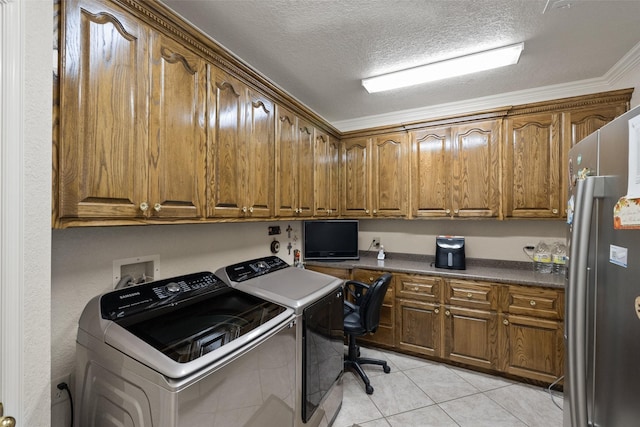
(12, 13)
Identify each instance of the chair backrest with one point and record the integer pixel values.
(372, 303)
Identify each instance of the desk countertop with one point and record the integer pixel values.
(511, 272)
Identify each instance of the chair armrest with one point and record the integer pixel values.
(355, 289)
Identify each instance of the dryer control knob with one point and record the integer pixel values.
(173, 288)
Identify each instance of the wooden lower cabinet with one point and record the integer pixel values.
(385, 333)
(471, 337)
(419, 327)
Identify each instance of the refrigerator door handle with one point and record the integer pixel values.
(586, 191)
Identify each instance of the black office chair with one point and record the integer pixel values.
(362, 317)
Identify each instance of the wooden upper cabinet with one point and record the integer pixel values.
(177, 136)
(475, 188)
(104, 86)
(327, 151)
(532, 160)
(305, 188)
(375, 176)
(431, 172)
(456, 170)
(294, 165)
(354, 177)
(241, 149)
(581, 122)
(390, 175)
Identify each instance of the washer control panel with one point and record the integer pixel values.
(135, 299)
(254, 268)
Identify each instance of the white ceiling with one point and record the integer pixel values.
(319, 50)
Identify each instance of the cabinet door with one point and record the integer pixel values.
(305, 153)
(471, 337)
(580, 123)
(177, 131)
(261, 151)
(326, 175)
(354, 170)
(475, 182)
(104, 103)
(286, 162)
(534, 347)
(431, 172)
(390, 176)
(228, 154)
(532, 166)
(419, 327)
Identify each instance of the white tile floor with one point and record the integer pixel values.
(421, 393)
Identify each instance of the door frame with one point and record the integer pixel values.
(12, 15)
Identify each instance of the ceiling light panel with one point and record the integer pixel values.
(473, 63)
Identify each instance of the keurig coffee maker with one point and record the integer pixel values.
(450, 252)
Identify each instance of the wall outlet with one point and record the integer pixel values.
(375, 242)
(59, 395)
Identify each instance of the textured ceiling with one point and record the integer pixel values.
(319, 50)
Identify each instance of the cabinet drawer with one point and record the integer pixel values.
(340, 273)
(369, 276)
(424, 288)
(472, 294)
(537, 302)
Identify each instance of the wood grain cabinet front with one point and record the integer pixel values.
(375, 176)
(419, 314)
(456, 170)
(531, 330)
(132, 136)
(326, 164)
(294, 165)
(471, 323)
(241, 149)
(385, 335)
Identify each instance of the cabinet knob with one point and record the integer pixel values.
(505, 322)
(251, 209)
(448, 211)
(469, 295)
(375, 211)
(6, 421)
(436, 310)
(144, 206)
(157, 207)
(244, 209)
(366, 211)
(555, 211)
(457, 211)
(447, 313)
(532, 303)
(416, 288)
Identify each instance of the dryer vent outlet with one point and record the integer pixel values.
(136, 270)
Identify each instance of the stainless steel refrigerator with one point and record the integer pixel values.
(602, 320)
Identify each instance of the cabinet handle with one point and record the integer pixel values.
(448, 211)
(157, 207)
(144, 206)
(469, 295)
(375, 211)
(416, 288)
(532, 303)
(251, 209)
(505, 322)
(447, 313)
(6, 421)
(371, 279)
(366, 211)
(436, 311)
(244, 209)
(555, 211)
(457, 211)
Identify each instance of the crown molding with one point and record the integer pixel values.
(623, 68)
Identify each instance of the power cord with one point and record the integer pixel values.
(65, 386)
(551, 394)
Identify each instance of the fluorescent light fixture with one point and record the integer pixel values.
(487, 60)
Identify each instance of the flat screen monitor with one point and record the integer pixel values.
(327, 240)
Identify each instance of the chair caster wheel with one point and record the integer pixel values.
(369, 389)
(386, 369)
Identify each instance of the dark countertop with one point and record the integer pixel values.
(511, 272)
